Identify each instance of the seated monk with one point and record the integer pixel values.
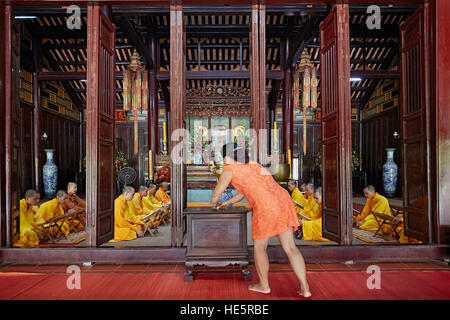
(53, 208)
(375, 203)
(30, 231)
(123, 228)
(309, 198)
(74, 203)
(149, 201)
(297, 196)
(72, 200)
(303, 188)
(312, 230)
(161, 194)
(136, 206)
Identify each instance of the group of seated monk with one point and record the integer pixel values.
(308, 205)
(131, 207)
(38, 224)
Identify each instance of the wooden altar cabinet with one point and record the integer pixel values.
(216, 238)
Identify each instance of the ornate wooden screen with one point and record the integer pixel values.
(336, 125)
(414, 113)
(100, 127)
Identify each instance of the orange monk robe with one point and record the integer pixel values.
(123, 230)
(162, 196)
(150, 203)
(74, 202)
(312, 230)
(136, 209)
(30, 220)
(51, 209)
(377, 204)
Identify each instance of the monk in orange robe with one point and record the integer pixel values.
(161, 194)
(73, 201)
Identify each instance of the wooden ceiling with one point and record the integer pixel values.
(217, 45)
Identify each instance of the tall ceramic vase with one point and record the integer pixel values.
(390, 171)
(50, 174)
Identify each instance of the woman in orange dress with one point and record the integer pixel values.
(273, 212)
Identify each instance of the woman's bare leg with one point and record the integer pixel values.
(262, 266)
(296, 260)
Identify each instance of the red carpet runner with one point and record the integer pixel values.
(409, 285)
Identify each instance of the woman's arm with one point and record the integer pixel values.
(222, 184)
(235, 199)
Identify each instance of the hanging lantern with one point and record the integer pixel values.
(309, 88)
(135, 91)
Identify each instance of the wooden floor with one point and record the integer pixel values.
(180, 268)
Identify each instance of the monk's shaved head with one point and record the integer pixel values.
(61, 194)
(31, 193)
(128, 189)
(369, 191)
(292, 181)
(142, 188)
(318, 190)
(71, 185)
(164, 184)
(318, 195)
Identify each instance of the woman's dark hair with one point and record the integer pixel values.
(239, 154)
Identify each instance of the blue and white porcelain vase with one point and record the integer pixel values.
(50, 174)
(390, 171)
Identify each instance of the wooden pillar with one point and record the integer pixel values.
(288, 113)
(3, 57)
(12, 120)
(176, 118)
(152, 116)
(37, 113)
(258, 78)
(100, 127)
(441, 94)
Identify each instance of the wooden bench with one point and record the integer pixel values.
(151, 221)
(165, 214)
(53, 227)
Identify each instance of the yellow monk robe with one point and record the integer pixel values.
(308, 211)
(312, 230)
(162, 196)
(123, 230)
(51, 209)
(150, 203)
(377, 204)
(136, 209)
(298, 197)
(401, 232)
(29, 219)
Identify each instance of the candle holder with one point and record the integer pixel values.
(164, 152)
